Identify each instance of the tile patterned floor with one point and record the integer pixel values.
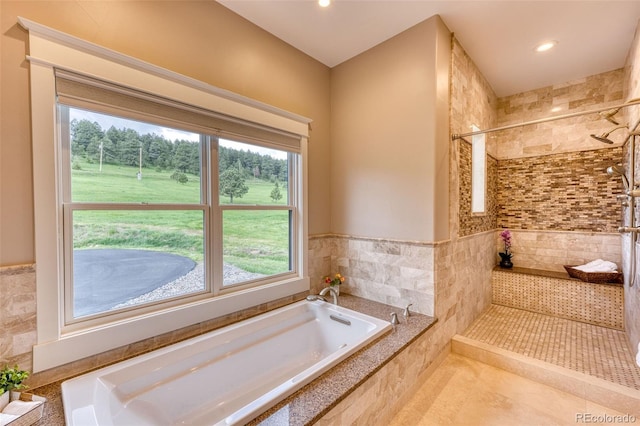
(466, 392)
(589, 349)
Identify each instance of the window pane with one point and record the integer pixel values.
(255, 244)
(251, 174)
(124, 258)
(119, 160)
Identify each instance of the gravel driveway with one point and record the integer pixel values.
(106, 279)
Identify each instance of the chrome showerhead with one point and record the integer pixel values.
(605, 136)
(618, 170)
(602, 138)
(608, 115)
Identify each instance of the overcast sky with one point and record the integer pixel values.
(106, 121)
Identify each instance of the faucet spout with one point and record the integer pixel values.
(333, 294)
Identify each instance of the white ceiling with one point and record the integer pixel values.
(593, 36)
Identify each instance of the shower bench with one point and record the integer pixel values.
(556, 294)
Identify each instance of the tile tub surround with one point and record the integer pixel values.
(314, 400)
(559, 295)
(393, 272)
(17, 314)
(463, 291)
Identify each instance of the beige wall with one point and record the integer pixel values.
(207, 42)
(202, 40)
(390, 145)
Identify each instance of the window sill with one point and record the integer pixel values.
(83, 344)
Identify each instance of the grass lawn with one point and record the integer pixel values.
(256, 241)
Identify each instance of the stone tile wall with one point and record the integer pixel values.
(598, 304)
(473, 101)
(632, 115)
(17, 314)
(463, 291)
(550, 250)
(569, 192)
(397, 273)
(473, 223)
(565, 135)
(556, 175)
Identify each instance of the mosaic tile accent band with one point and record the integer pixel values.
(560, 192)
(598, 351)
(598, 304)
(568, 192)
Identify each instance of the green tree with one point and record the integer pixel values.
(186, 157)
(179, 177)
(276, 195)
(129, 148)
(82, 133)
(160, 152)
(232, 184)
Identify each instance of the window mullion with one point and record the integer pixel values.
(215, 233)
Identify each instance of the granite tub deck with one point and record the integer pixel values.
(313, 401)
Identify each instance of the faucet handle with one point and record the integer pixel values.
(407, 312)
(394, 318)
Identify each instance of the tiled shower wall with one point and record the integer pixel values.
(564, 135)
(632, 115)
(553, 190)
(561, 192)
(472, 223)
(560, 208)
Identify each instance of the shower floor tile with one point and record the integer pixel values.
(597, 351)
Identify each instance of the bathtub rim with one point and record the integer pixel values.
(69, 386)
(319, 397)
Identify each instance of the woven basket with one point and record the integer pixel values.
(31, 416)
(594, 277)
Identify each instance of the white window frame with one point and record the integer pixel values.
(50, 49)
(478, 173)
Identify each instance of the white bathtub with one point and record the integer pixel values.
(227, 376)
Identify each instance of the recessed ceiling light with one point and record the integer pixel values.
(324, 3)
(556, 109)
(543, 47)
